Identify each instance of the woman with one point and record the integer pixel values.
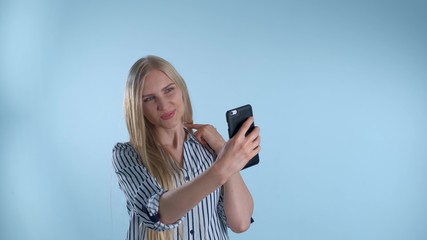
(181, 180)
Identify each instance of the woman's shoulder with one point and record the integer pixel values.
(124, 153)
(123, 147)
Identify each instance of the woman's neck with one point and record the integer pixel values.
(173, 141)
(171, 137)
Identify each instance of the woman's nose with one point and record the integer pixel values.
(161, 104)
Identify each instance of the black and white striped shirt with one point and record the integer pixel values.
(205, 221)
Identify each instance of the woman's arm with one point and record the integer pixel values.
(232, 157)
(177, 202)
(238, 202)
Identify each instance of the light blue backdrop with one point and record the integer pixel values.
(338, 89)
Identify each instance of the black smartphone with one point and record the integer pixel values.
(235, 118)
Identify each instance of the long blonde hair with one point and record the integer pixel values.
(153, 156)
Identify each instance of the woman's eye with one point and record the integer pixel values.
(170, 89)
(148, 99)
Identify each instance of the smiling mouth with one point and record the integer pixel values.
(167, 116)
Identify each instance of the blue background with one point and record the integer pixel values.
(339, 89)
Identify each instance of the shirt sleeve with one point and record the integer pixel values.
(221, 211)
(141, 189)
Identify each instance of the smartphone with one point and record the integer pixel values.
(235, 118)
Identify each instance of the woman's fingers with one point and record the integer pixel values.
(251, 143)
(254, 139)
(200, 131)
(207, 134)
(195, 126)
(255, 133)
(245, 127)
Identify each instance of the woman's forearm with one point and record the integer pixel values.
(238, 204)
(177, 202)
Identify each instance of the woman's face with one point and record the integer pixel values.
(162, 101)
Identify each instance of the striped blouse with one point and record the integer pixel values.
(205, 221)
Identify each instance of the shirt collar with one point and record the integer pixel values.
(191, 136)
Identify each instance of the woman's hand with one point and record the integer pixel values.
(207, 134)
(240, 149)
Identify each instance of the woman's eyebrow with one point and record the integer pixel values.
(163, 89)
(170, 84)
(147, 95)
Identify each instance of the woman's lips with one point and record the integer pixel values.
(167, 115)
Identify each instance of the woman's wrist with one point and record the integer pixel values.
(219, 173)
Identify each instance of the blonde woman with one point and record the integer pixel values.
(181, 180)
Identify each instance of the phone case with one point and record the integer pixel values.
(235, 118)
